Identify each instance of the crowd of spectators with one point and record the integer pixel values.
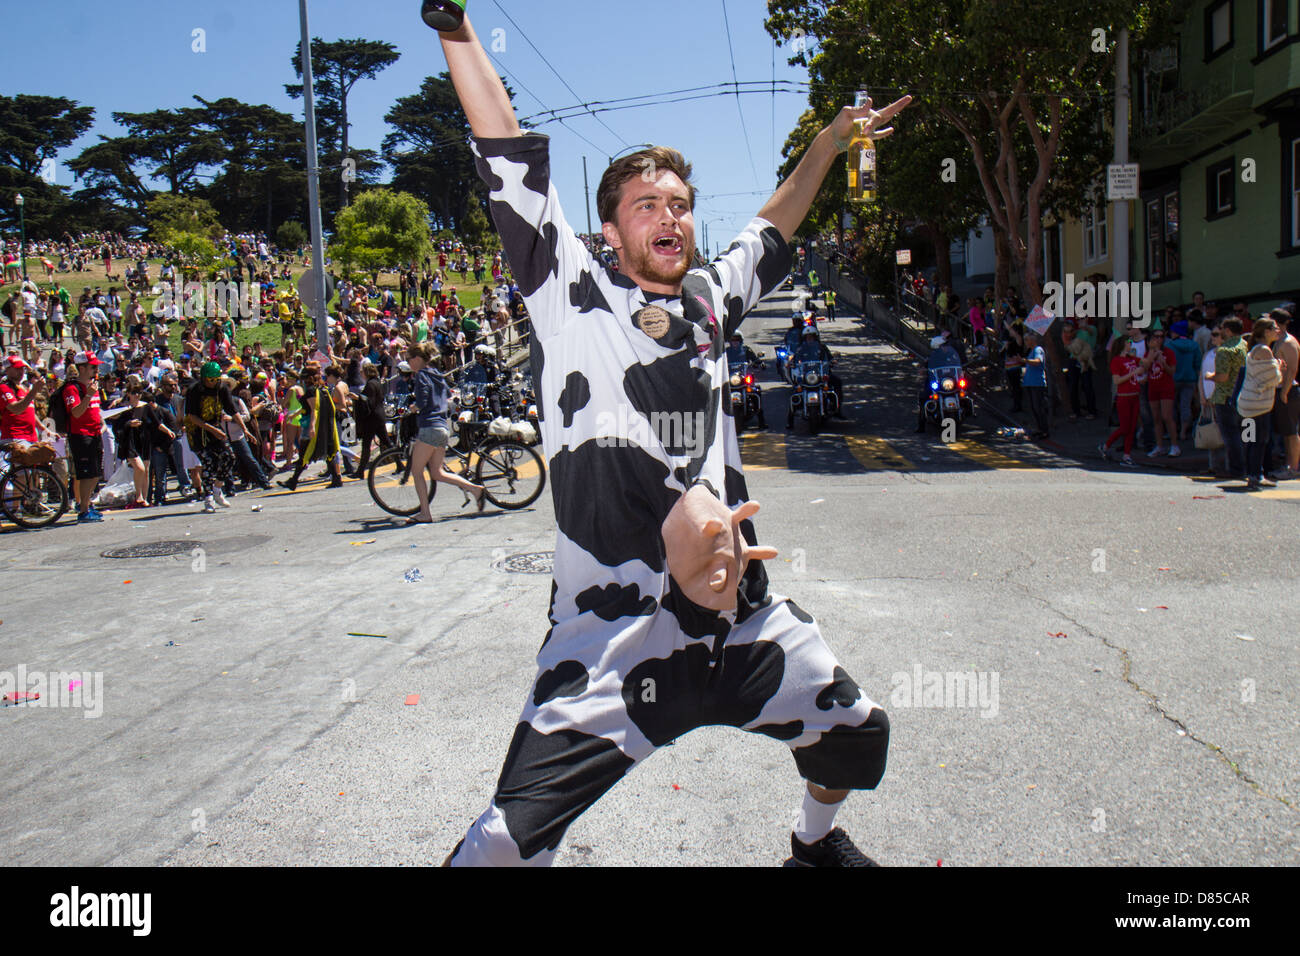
(97, 377)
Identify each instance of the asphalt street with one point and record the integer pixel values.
(1133, 633)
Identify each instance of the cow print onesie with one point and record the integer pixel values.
(629, 664)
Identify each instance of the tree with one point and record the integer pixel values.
(169, 213)
(173, 145)
(108, 170)
(291, 235)
(198, 253)
(1024, 84)
(477, 230)
(32, 131)
(430, 155)
(336, 68)
(383, 228)
(262, 178)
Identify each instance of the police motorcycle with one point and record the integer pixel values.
(947, 397)
(812, 396)
(525, 406)
(743, 364)
(790, 344)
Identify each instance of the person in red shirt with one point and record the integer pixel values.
(1159, 364)
(1124, 369)
(85, 433)
(17, 411)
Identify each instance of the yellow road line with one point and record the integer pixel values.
(985, 455)
(876, 454)
(763, 451)
(1278, 494)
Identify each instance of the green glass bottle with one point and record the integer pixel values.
(443, 15)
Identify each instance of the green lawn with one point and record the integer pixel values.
(470, 294)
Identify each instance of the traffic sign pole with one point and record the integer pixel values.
(317, 301)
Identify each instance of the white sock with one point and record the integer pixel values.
(815, 818)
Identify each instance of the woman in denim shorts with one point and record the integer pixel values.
(430, 447)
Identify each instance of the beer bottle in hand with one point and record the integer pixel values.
(862, 160)
(444, 15)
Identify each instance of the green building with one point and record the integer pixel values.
(1216, 129)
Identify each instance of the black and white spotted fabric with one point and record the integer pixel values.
(633, 409)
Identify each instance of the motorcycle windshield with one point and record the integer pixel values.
(945, 372)
(822, 369)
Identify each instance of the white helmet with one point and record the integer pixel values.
(938, 341)
(485, 350)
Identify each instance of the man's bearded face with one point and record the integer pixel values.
(655, 232)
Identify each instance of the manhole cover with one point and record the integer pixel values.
(535, 562)
(153, 549)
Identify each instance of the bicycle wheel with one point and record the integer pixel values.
(513, 473)
(33, 496)
(390, 484)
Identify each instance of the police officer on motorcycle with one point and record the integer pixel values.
(738, 353)
(811, 350)
(483, 371)
(794, 334)
(944, 353)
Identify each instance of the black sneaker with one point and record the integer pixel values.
(834, 849)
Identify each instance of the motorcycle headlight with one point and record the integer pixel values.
(949, 385)
(812, 378)
(735, 381)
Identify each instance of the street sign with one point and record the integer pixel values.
(1121, 181)
(307, 292)
(903, 257)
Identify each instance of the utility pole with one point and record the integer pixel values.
(313, 190)
(587, 189)
(1120, 232)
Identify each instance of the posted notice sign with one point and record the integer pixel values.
(903, 257)
(1121, 181)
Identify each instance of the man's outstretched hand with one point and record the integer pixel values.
(706, 553)
(843, 126)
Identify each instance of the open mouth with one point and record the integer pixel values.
(668, 244)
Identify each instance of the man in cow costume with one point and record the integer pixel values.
(661, 620)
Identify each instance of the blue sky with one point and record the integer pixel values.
(136, 55)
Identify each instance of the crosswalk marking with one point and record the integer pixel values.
(768, 451)
(763, 451)
(876, 454)
(985, 455)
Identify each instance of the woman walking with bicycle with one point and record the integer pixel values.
(430, 446)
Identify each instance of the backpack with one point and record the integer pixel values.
(59, 408)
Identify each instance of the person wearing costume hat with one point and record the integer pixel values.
(208, 407)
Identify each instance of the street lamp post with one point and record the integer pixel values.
(22, 226)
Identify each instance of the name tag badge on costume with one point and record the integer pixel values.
(653, 321)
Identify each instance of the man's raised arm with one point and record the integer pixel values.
(482, 95)
(790, 203)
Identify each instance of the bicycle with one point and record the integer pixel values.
(31, 496)
(512, 474)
